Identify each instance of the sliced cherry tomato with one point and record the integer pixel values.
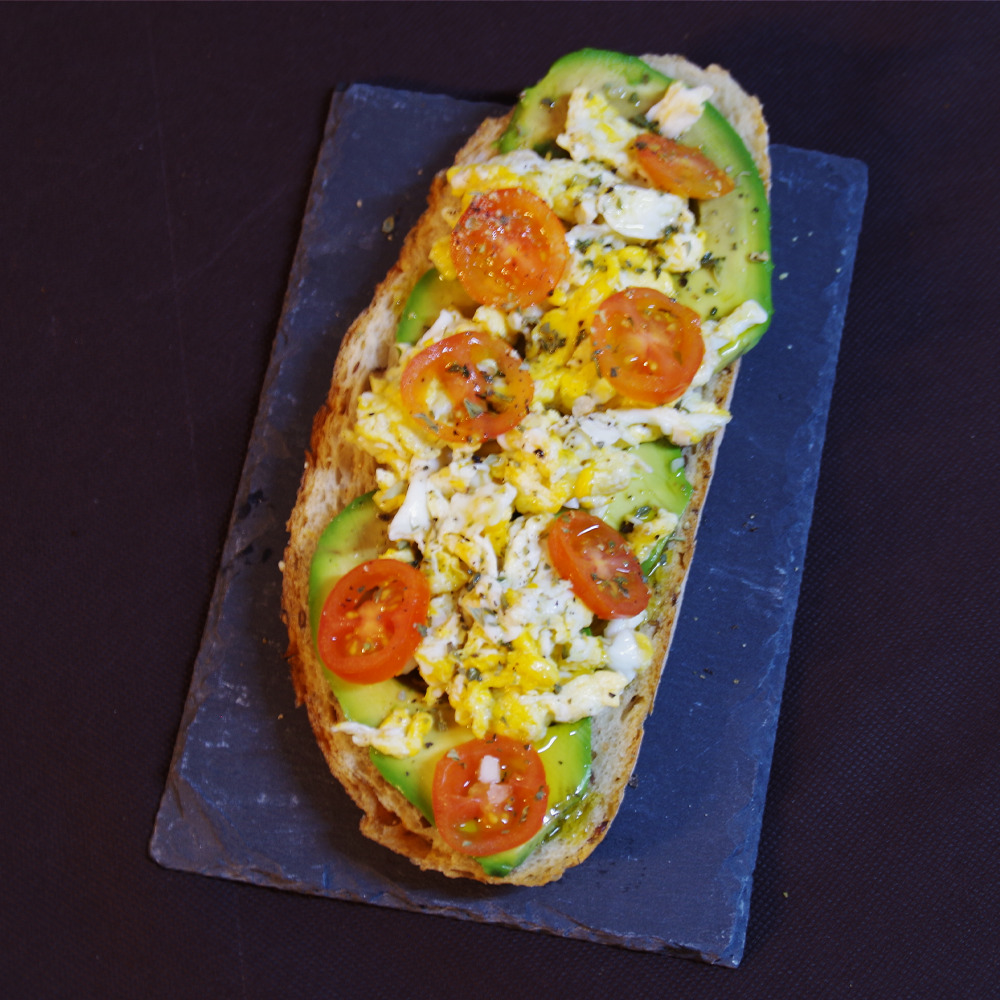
(481, 379)
(599, 564)
(489, 795)
(682, 170)
(368, 629)
(647, 345)
(509, 249)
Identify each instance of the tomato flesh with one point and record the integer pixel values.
(647, 345)
(599, 564)
(489, 795)
(509, 249)
(681, 170)
(480, 377)
(368, 628)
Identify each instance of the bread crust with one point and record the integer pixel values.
(336, 472)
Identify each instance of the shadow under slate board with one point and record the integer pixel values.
(248, 795)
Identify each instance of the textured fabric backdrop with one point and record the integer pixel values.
(154, 166)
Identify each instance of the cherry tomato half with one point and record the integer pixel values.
(481, 378)
(368, 626)
(681, 170)
(509, 249)
(599, 564)
(489, 795)
(647, 345)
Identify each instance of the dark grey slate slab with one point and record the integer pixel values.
(248, 795)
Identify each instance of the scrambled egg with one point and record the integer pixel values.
(508, 644)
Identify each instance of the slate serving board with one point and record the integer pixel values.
(248, 795)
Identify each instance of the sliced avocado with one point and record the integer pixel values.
(663, 485)
(565, 752)
(355, 535)
(737, 230)
(430, 295)
(627, 83)
(737, 226)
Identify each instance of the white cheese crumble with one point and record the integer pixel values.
(489, 769)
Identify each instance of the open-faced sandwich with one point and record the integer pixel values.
(499, 505)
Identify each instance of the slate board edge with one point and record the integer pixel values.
(732, 955)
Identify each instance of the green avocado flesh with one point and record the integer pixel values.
(628, 84)
(430, 295)
(737, 230)
(663, 484)
(355, 535)
(737, 226)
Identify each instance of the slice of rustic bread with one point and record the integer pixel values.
(336, 472)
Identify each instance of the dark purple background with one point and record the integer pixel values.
(154, 166)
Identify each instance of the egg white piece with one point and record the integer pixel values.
(679, 108)
(595, 131)
(638, 213)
